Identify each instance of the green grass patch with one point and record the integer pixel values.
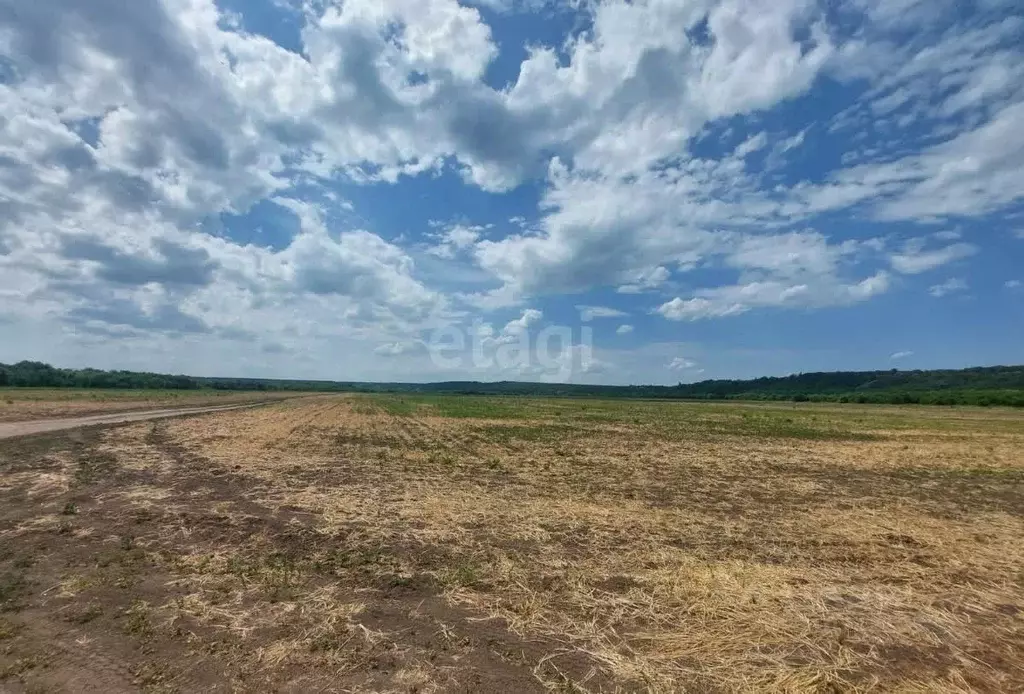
(462, 574)
(397, 406)
(138, 621)
(788, 427)
(675, 420)
(526, 433)
(473, 407)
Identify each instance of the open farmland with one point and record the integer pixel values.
(419, 544)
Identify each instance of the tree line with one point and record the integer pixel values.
(34, 374)
(996, 385)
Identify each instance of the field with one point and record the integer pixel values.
(21, 404)
(422, 544)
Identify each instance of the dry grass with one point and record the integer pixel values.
(623, 546)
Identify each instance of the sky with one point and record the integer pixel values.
(593, 191)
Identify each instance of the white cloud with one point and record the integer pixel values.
(644, 280)
(795, 270)
(896, 356)
(790, 143)
(973, 174)
(751, 145)
(1013, 284)
(950, 286)
(681, 364)
(943, 106)
(520, 325)
(602, 230)
(736, 299)
(516, 352)
(462, 237)
(397, 349)
(778, 153)
(589, 313)
(513, 5)
(112, 176)
(791, 254)
(915, 260)
(454, 240)
(624, 329)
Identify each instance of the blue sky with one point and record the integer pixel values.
(590, 191)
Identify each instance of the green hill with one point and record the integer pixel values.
(995, 385)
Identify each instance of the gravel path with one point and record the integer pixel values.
(38, 426)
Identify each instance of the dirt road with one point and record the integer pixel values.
(38, 426)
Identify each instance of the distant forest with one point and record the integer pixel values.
(986, 386)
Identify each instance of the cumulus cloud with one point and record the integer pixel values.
(624, 329)
(358, 265)
(455, 239)
(621, 209)
(522, 324)
(529, 317)
(514, 332)
(901, 355)
(681, 364)
(131, 130)
(125, 128)
(754, 61)
(166, 263)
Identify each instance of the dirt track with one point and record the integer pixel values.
(38, 426)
